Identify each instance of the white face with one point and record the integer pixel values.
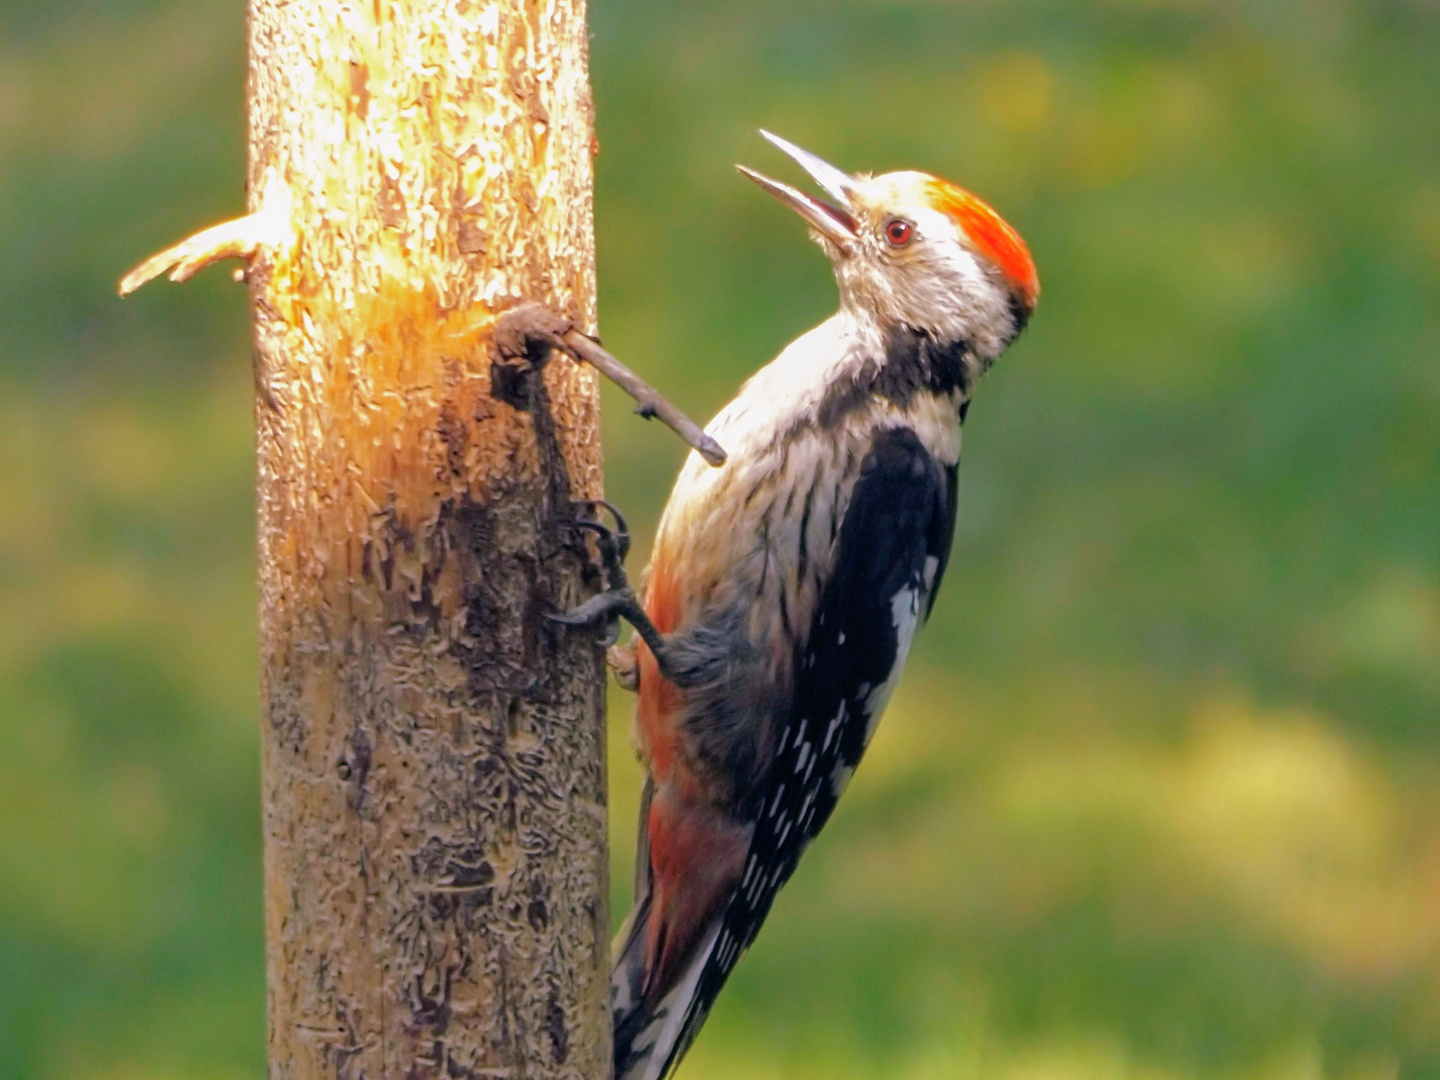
(911, 263)
(911, 249)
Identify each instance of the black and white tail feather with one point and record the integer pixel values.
(649, 1042)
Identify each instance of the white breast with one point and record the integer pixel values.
(765, 522)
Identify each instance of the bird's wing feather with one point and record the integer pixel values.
(892, 548)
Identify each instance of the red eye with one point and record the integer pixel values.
(899, 232)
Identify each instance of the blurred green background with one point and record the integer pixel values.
(1158, 799)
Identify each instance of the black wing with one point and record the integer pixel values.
(893, 546)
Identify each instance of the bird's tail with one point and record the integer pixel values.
(651, 1038)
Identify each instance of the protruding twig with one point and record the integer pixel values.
(532, 322)
(242, 237)
(238, 239)
(650, 401)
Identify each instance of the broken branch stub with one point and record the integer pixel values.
(519, 326)
(238, 239)
(652, 404)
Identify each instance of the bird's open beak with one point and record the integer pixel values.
(836, 223)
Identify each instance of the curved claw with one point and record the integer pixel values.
(594, 527)
(606, 605)
(612, 547)
(612, 633)
(621, 525)
(578, 617)
(621, 532)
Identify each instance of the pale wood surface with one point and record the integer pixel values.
(433, 749)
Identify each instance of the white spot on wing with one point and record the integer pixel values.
(905, 613)
(779, 793)
(799, 733)
(932, 564)
(834, 726)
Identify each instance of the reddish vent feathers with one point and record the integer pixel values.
(660, 700)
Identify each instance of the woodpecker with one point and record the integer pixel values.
(786, 586)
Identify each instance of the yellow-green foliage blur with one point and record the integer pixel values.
(1158, 798)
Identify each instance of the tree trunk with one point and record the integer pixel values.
(434, 783)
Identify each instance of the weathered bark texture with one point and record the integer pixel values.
(433, 749)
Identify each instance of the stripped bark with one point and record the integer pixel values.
(434, 784)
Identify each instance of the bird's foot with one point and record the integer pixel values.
(618, 600)
(612, 544)
(608, 607)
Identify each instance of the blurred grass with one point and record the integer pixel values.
(1158, 798)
